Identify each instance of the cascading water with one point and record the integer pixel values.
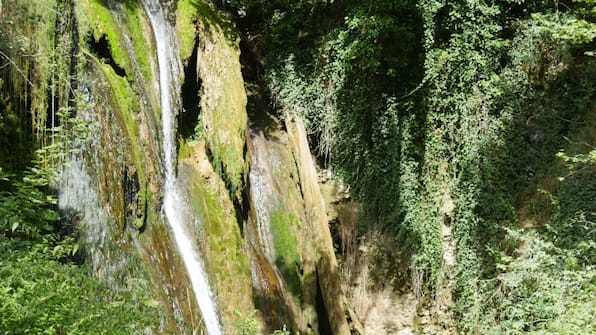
(176, 212)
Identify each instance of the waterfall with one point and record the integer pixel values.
(175, 208)
(81, 203)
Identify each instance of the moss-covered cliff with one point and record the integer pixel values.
(452, 176)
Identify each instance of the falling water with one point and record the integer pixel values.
(176, 211)
(81, 203)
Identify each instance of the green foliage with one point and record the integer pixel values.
(41, 290)
(246, 325)
(283, 331)
(249, 325)
(542, 290)
(25, 206)
(27, 60)
(573, 222)
(408, 101)
(40, 295)
(353, 70)
(578, 163)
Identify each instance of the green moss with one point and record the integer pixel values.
(224, 107)
(184, 149)
(219, 222)
(193, 13)
(287, 258)
(227, 262)
(186, 28)
(223, 101)
(135, 28)
(123, 106)
(97, 20)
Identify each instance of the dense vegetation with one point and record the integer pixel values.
(414, 105)
(419, 103)
(44, 286)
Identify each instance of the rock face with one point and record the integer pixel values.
(249, 178)
(123, 160)
(294, 266)
(318, 230)
(219, 234)
(379, 299)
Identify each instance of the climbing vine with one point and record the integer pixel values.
(410, 101)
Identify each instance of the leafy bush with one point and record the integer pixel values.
(542, 290)
(40, 295)
(42, 290)
(246, 324)
(408, 101)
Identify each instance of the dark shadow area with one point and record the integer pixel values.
(262, 116)
(545, 115)
(291, 277)
(251, 58)
(322, 314)
(16, 137)
(188, 118)
(133, 216)
(15, 120)
(268, 296)
(445, 25)
(70, 225)
(101, 49)
(242, 205)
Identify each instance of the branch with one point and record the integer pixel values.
(16, 67)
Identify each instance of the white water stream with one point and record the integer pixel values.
(175, 208)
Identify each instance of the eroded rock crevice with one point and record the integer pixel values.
(189, 116)
(101, 48)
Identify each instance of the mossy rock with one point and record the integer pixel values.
(218, 231)
(223, 97)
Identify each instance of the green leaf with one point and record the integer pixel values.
(151, 303)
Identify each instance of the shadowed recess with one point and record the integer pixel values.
(101, 48)
(188, 119)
